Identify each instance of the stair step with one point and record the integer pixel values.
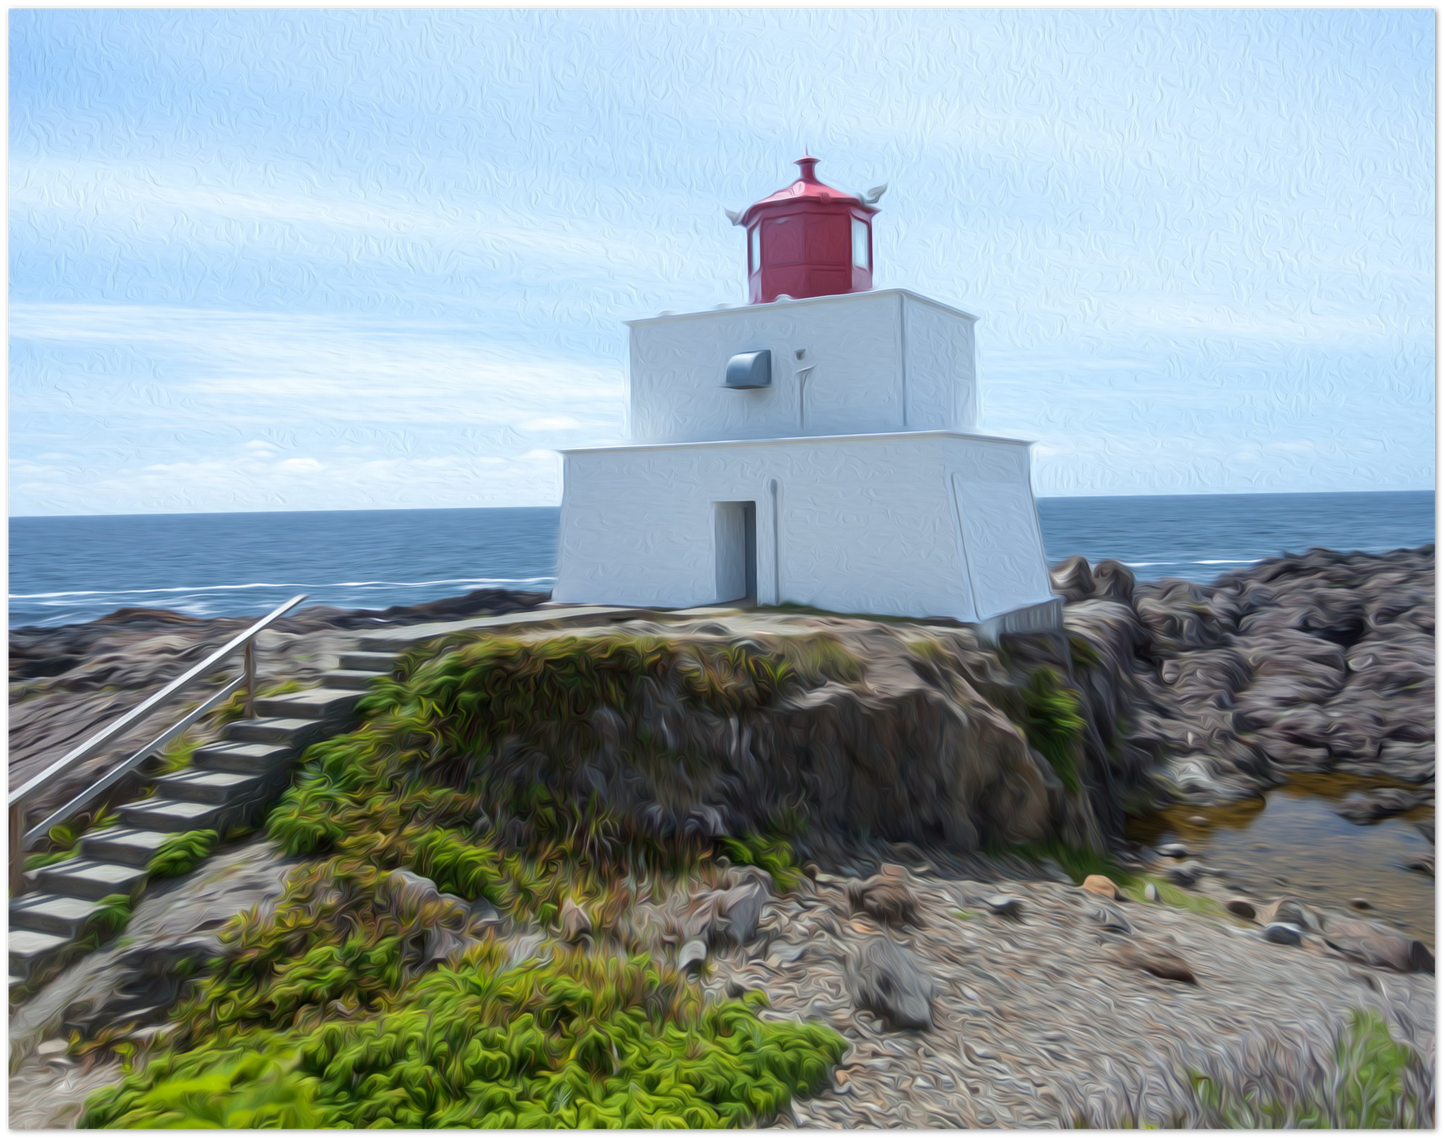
(279, 730)
(52, 913)
(213, 786)
(89, 878)
(243, 756)
(30, 948)
(351, 679)
(369, 662)
(123, 844)
(175, 815)
(313, 704)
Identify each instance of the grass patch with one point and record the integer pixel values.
(1054, 724)
(775, 855)
(1377, 1083)
(182, 853)
(570, 1041)
(1078, 863)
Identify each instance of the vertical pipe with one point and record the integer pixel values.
(17, 851)
(250, 680)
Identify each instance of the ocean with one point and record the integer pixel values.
(69, 569)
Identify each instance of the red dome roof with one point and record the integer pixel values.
(807, 187)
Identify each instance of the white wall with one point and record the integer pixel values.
(871, 362)
(913, 524)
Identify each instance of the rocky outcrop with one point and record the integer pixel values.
(1310, 663)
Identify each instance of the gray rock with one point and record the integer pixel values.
(1376, 945)
(885, 979)
(1283, 933)
(691, 956)
(1184, 873)
(1174, 850)
(1151, 892)
(1005, 905)
(729, 917)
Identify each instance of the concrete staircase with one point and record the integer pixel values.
(229, 784)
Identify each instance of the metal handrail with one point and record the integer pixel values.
(21, 837)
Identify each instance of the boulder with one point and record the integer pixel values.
(1376, 945)
(1381, 803)
(574, 921)
(728, 917)
(1154, 958)
(885, 979)
(886, 897)
(691, 956)
(1283, 933)
(1100, 885)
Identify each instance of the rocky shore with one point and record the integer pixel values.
(957, 896)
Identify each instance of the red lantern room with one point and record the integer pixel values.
(809, 240)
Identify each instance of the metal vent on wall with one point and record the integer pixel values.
(750, 370)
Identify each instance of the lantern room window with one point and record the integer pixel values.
(755, 248)
(860, 243)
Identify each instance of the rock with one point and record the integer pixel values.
(1111, 919)
(1286, 910)
(691, 956)
(1361, 904)
(52, 1048)
(1283, 933)
(1005, 905)
(885, 979)
(1100, 885)
(1376, 945)
(1151, 892)
(1425, 864)
(1174, 850)
(1427, 828)
(574, 921)
(1362, 808)
(886, 897)
(729, 917)
(1184, 873)
(1241, 907)
(1198, 821)
(1155, 959)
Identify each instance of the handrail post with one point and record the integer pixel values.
(250, 680)
(17, 850)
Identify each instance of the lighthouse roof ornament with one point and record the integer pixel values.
(809, 239)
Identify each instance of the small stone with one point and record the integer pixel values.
(691, 956)
(1104, 887)
(1005, 905)
(1151, 892)
(1157, 960)
(1241, 908)
(1174, 850)
(1361, 903)
(885, 897)
(1184, 873)
(575, 922)
(1283, 933)
(52, 1048)
(1198, 821)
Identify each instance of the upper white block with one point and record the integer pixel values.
(859, 363)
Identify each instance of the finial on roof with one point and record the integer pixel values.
(806, 164)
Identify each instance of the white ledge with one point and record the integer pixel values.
(743, 307)
(789, 439)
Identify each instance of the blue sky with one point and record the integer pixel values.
(327, 260)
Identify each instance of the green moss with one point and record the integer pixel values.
(112, 916)
(570, 1041)
(177, 755)
(49, 858)
(182, 853)
(1053, 723)
(775, 855)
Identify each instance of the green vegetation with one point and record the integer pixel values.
(367, 998)
(177, 755)
(1377, 1083)
(573, 1041)
(111, 917)
(1053, 723)
(1078, 863)
(775, 855)
(182, 853)
(49, 858)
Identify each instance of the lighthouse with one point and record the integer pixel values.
(817, 446)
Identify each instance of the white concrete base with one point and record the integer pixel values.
(905, 524)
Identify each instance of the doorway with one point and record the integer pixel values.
(736, 542)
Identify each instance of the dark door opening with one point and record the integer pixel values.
(737, 552)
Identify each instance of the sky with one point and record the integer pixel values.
(267, 260)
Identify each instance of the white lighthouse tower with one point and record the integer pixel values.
(817, 447)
